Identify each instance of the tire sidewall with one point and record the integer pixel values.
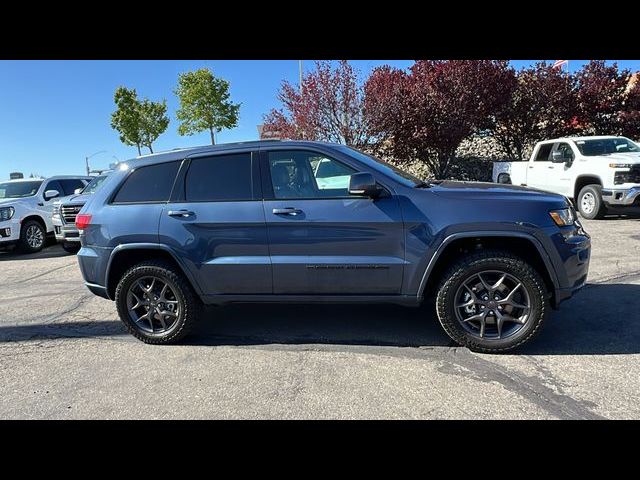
(24, 244)
(598, 209)
(121, 303)
(446, 301)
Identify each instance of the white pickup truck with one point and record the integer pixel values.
(598, 173)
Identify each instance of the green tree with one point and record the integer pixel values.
(204, 103)
(139, 122)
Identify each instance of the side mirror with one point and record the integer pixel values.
(557, 157)
(364, 184)
(49, 194)
(78, 191)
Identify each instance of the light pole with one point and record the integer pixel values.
(86, 160)
(300, 74)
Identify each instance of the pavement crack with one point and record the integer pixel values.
(25, 280)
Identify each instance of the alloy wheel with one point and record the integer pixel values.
(153, 305)
(35, 237)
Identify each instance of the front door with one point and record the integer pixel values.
(542, 170)
(322, 240)
(215, 222)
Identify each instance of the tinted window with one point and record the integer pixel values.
(148, 184)
(297, 174)
(19, 189)
(54, 185)
(565, 149)
(381, 166)
(590, 148)
(70, 185)
(543, 152)
(94, 185)
(219, 178)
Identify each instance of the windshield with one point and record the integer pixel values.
(19, 189)
(382, 166)
(93, 185)
(606, 146)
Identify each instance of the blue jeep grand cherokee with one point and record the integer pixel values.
(285, 221)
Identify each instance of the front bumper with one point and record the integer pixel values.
(9, 231)
(621, 197)
(65, 232)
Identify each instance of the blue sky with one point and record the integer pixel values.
(54, 113)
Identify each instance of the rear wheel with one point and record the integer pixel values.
(491, 302)
(590, 204)
(156, 303)
(32, 236)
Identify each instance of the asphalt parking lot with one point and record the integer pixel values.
(65, 354)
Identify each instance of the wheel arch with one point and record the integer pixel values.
(125, 256)
(584, 180)
(37, 218)
(519, 243)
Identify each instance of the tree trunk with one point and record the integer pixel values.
(150, 149)
(213, 140)
(139, 151)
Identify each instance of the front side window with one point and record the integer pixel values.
(19, 189)
(565, 149)
(71, 185)
(148, 184)
(300, 174)
(55, 185)
(220, 178)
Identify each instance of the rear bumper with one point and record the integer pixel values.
(620, 197)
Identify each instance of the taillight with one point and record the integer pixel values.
(82, 221)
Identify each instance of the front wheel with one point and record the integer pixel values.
(491, 302)
(32, 237)
(71, 247)
(156, 303)
(590, 204)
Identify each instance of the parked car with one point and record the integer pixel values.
(598, 173)
(26, 206)
(65, 210)
(248, 222)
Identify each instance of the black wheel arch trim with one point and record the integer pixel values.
(489, 233)
(151, 246)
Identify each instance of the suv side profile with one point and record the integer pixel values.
(298, 221)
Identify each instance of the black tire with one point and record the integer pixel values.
(70, 247)
(190, 307)
(504, 178)
(588, 194)
(491, 260)
(26, 243)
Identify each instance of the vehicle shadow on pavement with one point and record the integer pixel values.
(603, 319)
(53, 251)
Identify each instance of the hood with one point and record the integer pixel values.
(456, 190)
(626, 157)
(11, 201)
(74, 199)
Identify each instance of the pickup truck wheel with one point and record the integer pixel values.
(71, 247)
(156, 303)
(590, 204)
(491, 302)
(504, 178)
(32, 237)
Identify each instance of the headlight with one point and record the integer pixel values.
(6, 213)
(56, 210)
(564, 217)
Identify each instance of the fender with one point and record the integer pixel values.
(489, 233)
(152, 246)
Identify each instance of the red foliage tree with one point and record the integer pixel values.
(601, 95)
(630, 115)
(329, 108)
(542, 106)
(426, 113)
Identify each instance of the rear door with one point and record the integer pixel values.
(215, 222)
(540, 170)
(323, 240)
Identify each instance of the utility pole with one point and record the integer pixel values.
(300, 74)
(86, 160)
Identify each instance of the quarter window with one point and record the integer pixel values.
(148, 184)
(299, 174)
(219, 178)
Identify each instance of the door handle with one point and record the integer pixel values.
(530, 166)
(286, 211)
(551, 167)
(180, 213)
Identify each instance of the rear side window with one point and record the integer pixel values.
(148, 184)
(543, 152)
(220, 178)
